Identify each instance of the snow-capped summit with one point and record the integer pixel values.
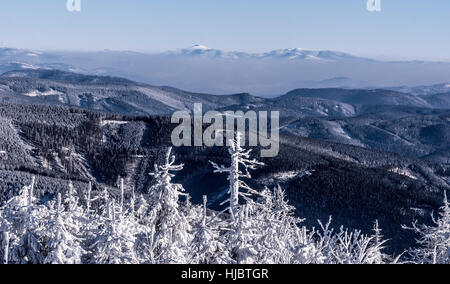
(199, 47)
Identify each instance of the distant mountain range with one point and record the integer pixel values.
(202, 51)
(208, 70)
(289, 53)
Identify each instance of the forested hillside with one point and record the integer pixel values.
(353, 184)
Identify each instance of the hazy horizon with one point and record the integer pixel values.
(407, 40)
(403, 30)
(379, 57)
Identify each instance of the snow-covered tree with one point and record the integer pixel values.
(72, 201)
(170, 237)
(282, 241)
(434, 240)
(238, 169)
(305, 249)
(62, 247)
(207, 246)
(350, 247)
(89, 198)
(115, 243)
(141, 208)
(26, 218)
(5, 228)
(243, 228)
(76, 218)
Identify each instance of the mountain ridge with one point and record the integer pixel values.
(287, 53)
(115, 94)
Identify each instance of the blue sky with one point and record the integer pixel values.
(404, 29)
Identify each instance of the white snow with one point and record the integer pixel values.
(404, 172)
(117, 122)
(51, 92)
(199, 47)
(283, 177)
(419, 211)
(58, 161)
(163, 97)
(138, 156)
(25, 65)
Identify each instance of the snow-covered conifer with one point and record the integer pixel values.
(238, 169)
(116, 240)
(434, 240)
(26, 218)
(5, 228)
(62, 246)
(171, 238)
(282, 241)
(207, 246)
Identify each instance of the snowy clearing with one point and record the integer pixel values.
(403, 172)
(117, 122)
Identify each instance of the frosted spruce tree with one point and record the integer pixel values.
(282, 240)
(75, 214)
(434, 241)
(207, 246)
(243, 227)
(61, 246)
(141, 208)
(116, 240)
(170, 236)
(92, 217)
(26, 218)
(238, 169)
